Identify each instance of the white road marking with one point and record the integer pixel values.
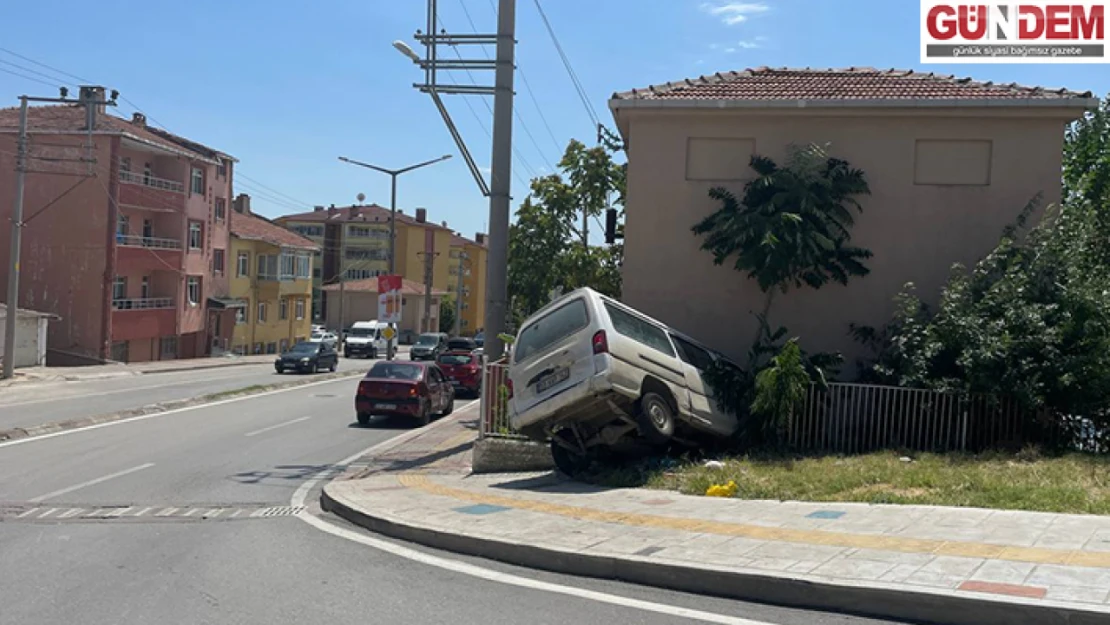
(236, 513)
(274, 427)
(71, 513)
(213, 513)
(98, 480)
(464, 568)
(48, 513)
(155, 415)
(166, 512)
(143, 511)
(27, 513)
(118, 512)
(191, 512)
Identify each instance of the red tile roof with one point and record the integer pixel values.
(461, 241)
(853, 83)
(72, 118)
(370, 285)
(368, 212)
(256, 228)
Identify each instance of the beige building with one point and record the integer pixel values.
(467, 269)
(360, 303)
(950, 163)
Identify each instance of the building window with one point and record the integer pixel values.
(221, 169)
(123, 225)
(243, 266)
(309, 231)
(125, 164)
(192, 289)
(240, 316)
(298, 309)
(304, 266)
(362, 274)
(261, 312)
(366, 232)
(119, 288)
(221, 209)
(169, 347)
(218, 261)
(267, 267)
(196, 235)
(198, 181)
(288, 266)
(283, 309)
(148, 173)
(145, 288)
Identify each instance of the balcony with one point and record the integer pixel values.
(143, 318)
(139, 190)
(147, 253)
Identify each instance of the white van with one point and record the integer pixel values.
(365, 339)
(589, 372)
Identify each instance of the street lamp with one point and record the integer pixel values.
(404, 49)
(393, 173)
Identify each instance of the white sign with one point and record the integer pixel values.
(992, 31)
(389, 299)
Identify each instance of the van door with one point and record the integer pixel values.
(695, 361)
(640, 346)
(552, 353)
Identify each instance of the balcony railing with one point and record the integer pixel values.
(150, 242)
(143, 303)
(153, 182)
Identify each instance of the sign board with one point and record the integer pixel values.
(1000, 31)
(389, 299)
(389, 333)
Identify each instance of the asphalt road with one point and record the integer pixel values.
(29, 405)
(243, 462)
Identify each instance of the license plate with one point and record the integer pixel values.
(555, 377)
(455, 382)
(387, 406)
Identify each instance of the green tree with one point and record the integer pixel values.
(547, 248)
(447, 314)
(792, 227)
(1087, 157)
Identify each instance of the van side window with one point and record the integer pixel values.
(639, 330)
(691, 354)
(551, 328)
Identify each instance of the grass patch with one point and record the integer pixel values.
(1072, 483)
(256, 388)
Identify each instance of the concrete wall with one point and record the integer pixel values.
(30, 339)
(943, 188)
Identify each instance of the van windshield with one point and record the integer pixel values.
(550, 329)
(361, 332)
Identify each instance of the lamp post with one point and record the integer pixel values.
(393, 174)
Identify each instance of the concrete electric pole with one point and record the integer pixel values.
(459, 293)
(91, 99)
(429, 273)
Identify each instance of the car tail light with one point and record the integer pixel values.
(601, 342)
(414, 390)
(363, 388)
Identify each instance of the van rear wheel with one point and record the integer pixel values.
(656, 419)
(568, 462)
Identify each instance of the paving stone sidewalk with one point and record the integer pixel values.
(1012, 559)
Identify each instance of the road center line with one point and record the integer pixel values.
(274, 427)
(98, 480)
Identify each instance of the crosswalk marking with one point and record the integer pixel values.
(71, 513)
(167, 512)
(111, 512)
(143, 511)
(27, 513)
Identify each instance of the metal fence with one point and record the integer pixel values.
(494, 406)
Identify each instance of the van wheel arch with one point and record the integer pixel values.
(656, 397)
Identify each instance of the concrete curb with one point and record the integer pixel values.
(875, 601)
(73, 424)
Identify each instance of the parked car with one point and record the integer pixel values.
(308, 357)
(480, 339)
(463, 369)
(410, 389)
(365, 339)
(428, 346)
(461, 344)
(324, 337)
(590, 373)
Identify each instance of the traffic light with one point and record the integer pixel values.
(610, 226)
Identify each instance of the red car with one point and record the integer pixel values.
(463, 369)
(409, 389)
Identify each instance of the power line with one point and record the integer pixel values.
(44, 65)
(31, 78)
(570, 70)
(29, 70)
(270, 189)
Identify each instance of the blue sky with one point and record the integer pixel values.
(287, 89)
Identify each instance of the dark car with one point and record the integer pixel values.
(410, 389)
(461, 344)
(463, 370)
(306, 357)
(428, 346)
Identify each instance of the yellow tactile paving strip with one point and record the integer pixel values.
(1035, 555)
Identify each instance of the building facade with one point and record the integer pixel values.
(354, 245)
(468, 259)
(950, 163)
(134, 256)
(271, 279)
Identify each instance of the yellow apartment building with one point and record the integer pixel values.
(468, 259)
(272, 273)
(354, 245)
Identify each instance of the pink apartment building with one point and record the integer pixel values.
(125, 236)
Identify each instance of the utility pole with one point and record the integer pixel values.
(90, 101)
(429, 260)
(459, 292)
(500, 182)
(393, 174)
